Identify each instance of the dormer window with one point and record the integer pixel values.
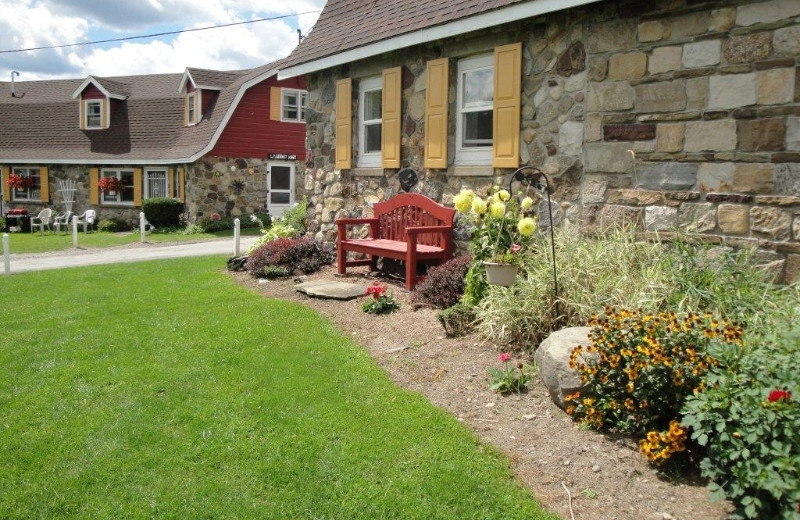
(94, 114)
(190, 101)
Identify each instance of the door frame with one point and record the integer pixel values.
(292, 173)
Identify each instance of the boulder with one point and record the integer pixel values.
(552, 359)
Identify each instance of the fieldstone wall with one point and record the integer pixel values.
(664, 114)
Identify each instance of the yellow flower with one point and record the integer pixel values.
(526, 204)
(503, 195)
(497, 209)
(526, 226)
(479, 206)
(463, 201)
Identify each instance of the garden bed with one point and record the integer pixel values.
(606, 476)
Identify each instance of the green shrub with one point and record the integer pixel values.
(296, 216)
(443, 286)
(113, 225)
(263, 221)
(456, 320)
(2, 223)
(275, 271)
(748, 418)
(212, 224)
(279, 229)
(163, 212)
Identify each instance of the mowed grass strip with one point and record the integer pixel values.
(51, 241)
(165, 390)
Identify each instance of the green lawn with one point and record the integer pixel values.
(50, 241)
(165, 390)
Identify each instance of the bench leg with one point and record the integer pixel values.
(373, 263)
(341, 260)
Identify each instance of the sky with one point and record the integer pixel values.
(36, 23)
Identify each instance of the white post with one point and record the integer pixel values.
(6, 259)
(141, 225)
(75, 231)
(237, 233)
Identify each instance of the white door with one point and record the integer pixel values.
(280, 187)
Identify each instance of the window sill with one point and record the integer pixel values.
(368, 172)
(473, 171)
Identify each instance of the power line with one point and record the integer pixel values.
(127, 38)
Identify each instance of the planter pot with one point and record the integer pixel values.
(500, 274)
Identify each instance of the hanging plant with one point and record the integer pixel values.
(18, 182)
(110, 184)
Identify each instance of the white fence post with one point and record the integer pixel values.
(75, 231)
(6, 258)
(141, 225)
(237, 233)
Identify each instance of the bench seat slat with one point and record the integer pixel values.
(368, 245)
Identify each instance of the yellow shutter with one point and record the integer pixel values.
(182, 184)
(44, 184)
(105, 110)
(275, 97)
(392, 100)
(507, 94)
(436, 104)
(170, 181)
(6, 189)
(94, 191)
(186, 110)
(82, 114)
(137, 187)
(344, 121)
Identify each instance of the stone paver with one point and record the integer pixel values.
(333, 290)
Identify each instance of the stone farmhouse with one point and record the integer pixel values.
(223, 142)
(661, 114)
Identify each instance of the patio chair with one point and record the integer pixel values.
(87, 219)
(62, 220)
(42, 220)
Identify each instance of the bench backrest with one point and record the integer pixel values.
(412, 210)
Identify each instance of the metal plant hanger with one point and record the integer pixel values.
(534, 177)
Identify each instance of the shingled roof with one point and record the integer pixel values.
(41, 123)
(348, 30)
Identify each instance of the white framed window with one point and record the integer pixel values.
(155, 183)
(192, 115)
(31, 184)
(123, 195)
(176, 184)
(475, 102)
(293, 105)
(94, 113)
(370, 123)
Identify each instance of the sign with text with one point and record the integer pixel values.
(283, 156)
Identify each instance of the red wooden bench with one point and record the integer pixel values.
(409, 226)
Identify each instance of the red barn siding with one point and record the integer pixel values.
(206, 97)
(251, 133)
(92, 92)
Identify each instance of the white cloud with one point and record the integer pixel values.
(33, 23)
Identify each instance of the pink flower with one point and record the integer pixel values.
(504, 357)
(216, 216)
(516, 248)
(779, 395)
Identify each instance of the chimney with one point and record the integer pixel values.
(13, 73)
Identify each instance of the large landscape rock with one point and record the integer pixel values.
(552, 359)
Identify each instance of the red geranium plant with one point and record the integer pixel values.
(110, 184)
(381, 302)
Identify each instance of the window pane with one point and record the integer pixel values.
(478, 128)
(289, 113)
(281, 178)
(478, 87)
(372, 138)
(93, 114)
(279, 197)
(156, 183)
(372, 105)
(127, 183)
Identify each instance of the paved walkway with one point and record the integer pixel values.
(138, 252)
